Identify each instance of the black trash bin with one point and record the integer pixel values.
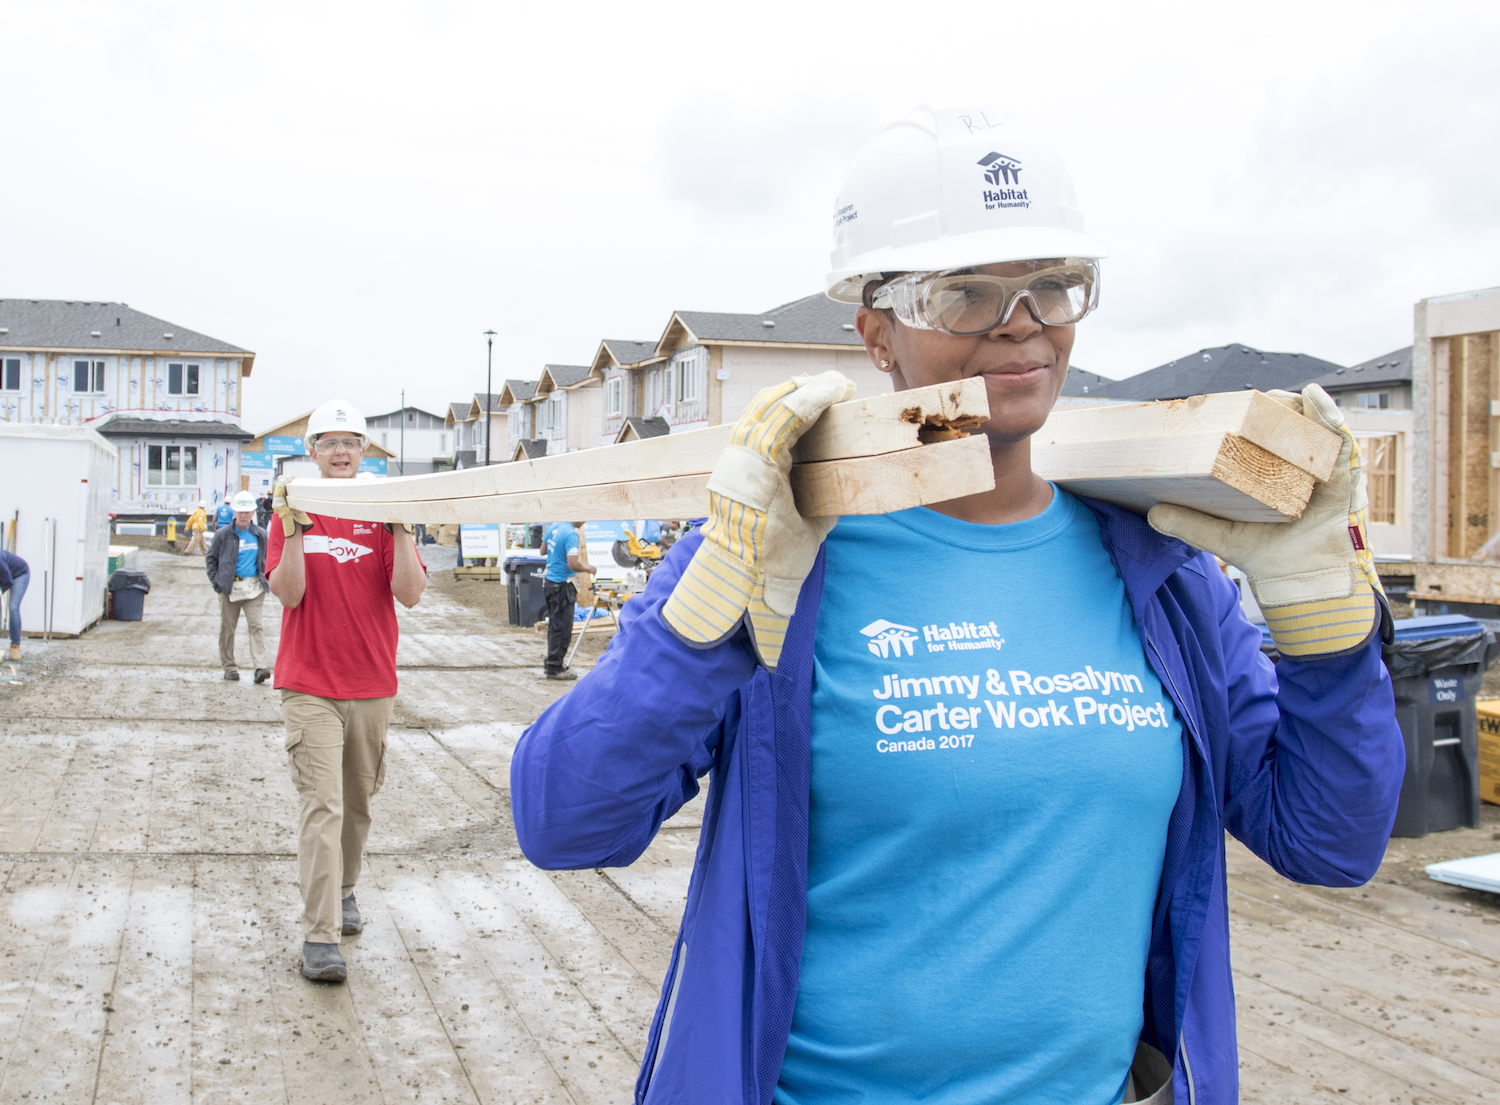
(128, 593)
(523, 589)
(1437, 666)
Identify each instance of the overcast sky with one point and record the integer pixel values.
(356, 191)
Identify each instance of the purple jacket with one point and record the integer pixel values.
(1302, 762)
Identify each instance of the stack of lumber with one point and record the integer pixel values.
(1236, 455)
(1240, 456)
(866, 456)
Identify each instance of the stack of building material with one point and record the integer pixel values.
(1237, 456)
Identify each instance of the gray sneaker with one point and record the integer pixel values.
(323, 963)
(353, 922)
(566, 675)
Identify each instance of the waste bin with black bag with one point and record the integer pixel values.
(127, 591)
(1437, 667)
(523, 589)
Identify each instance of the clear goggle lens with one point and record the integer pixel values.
(327, 445)
(964, 303)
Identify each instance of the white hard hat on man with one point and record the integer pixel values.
(951, 188)
(334, 416)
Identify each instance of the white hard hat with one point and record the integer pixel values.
(336, 414)
(243, 500)
(947, 188)
(202, 505)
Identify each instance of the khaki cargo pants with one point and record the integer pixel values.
(336, 750)
(229, 620)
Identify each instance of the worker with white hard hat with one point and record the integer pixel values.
(236, 564)
(197, 528)
(972, 764)
(336, 670)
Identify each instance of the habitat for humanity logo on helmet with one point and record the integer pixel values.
(887, 639)
(1004, 172)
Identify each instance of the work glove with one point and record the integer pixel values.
(292, 520)
(1314, 577)
(392, 527)
(757, 550)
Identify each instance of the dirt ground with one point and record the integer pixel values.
(149, 903)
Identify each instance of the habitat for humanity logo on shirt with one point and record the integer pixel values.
(340, 548)
(889, 640)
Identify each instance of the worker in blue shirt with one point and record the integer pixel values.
(15, 574)
(225, 514)
(563, 563)
(972, 764)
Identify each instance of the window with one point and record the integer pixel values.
(1380, 477)
(88, 376)
(555, 424)
(691, 365)
(668, 387)
(442, 443)
(12, 380)
(1372, 400)
(384, 440)
(182, 379)
(614, 396)
(172, 466)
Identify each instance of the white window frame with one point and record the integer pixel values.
(187, 373)
(557, 418)
(6, 365)
(614, 396)
(691, 365)
(164, 471)
(93, 373)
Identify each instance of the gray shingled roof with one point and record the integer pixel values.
(170, 427)
(458, 411)
(1386, 369)
(69, 324)
(1083, 385)
(1222, 368)
(566, 375)
(534, 448)
(628, 352)
(812, 320)
(645, 427)
(487, 400)
(521, 390)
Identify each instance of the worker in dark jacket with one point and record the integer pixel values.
(15, 575)
(236, 563)
(966, 843)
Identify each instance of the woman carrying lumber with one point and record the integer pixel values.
(971, 765)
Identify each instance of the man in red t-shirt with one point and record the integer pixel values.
(336, 670)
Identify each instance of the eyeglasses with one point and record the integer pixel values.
(326, 445)
(963, 303)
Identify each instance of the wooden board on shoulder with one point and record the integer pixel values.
(1242, 456)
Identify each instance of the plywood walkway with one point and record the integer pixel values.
(147, 921)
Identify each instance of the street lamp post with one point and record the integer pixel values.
(489, 366)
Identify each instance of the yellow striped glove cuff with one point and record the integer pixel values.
(710, 599)
(1324, 627)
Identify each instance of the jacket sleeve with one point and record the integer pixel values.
(211, 560)
(1316, 757)
(595, 776)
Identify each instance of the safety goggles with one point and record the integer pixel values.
(963, 302)
(327, 445)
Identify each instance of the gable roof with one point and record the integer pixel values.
(637, 429)
(1382, 371)
(517, 391)
(529, 449)
(457, 412)
(71, 324)
(398, 411)
(623, 352)
(1080, 384)
(562, 376)
(1221, 368)
(811, 320)
(486, 401)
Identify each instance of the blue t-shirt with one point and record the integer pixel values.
(562, 539)
(993, 767)
(245, 563)
(224, 515)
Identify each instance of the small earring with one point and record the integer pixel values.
(885, 364)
